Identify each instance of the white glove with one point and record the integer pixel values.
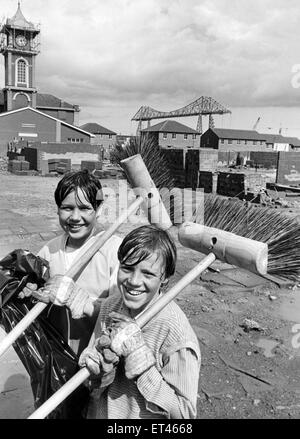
(128, 341)
(62, 291)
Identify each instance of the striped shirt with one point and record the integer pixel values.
(166, 390)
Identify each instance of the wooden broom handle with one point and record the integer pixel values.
(12, 336)
(143, 318)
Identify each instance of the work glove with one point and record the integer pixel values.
(62, 291)
(101, 361)
(128, 341)
(27, 290)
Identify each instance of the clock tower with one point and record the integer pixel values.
(19, 44)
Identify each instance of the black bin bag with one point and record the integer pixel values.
(45, 354)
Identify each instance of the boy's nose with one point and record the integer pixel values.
(75, 214)
(134, 279)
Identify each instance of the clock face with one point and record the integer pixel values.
(21, 40)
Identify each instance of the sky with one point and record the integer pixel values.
(113, 56)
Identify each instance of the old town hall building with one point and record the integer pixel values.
(24, 112)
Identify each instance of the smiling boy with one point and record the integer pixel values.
(79, 197)
(158, 370)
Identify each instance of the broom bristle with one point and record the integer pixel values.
(155, 162)
(280, 232)
(152, 157)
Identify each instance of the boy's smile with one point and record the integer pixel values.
(139, 284)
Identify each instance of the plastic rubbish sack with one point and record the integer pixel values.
(45, 354)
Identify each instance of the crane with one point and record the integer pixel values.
(256, 123)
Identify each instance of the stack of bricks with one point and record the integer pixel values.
(59, 165)
(175, 159)
(231, 184)
(110, 173)
(91, 165)
(192, 165)
(19, 166)
(206, 181)
(208, 159)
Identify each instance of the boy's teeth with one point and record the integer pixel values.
(134, 293)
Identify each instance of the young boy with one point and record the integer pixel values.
(79, 197)
(148, 373)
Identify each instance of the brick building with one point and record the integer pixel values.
(225, 139)
(102, 136)
(19, 45)
(32, 125)
(172, 134)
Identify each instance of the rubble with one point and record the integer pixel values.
(251, 325)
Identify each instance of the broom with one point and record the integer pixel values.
(280, 232)
(276, 229)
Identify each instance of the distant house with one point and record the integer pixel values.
(225, 139)
(172, 134)
(103, 136)
(277, 142)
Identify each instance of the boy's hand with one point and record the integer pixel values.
(128, 341)
(62, 291)
(101, 361)
(27, 290)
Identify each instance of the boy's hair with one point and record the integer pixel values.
(142, 242)
(84, 180)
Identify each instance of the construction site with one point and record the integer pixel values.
(241, 182)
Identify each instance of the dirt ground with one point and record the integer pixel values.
(250, 368)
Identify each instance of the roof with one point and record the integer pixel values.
(278, 138)
(19, 21)
(46, 101)
(225, 133)
(48, 116)
(293, 141)
(274, 138)
(170, 126)
(95, 128)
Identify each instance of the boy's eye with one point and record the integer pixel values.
(126, 268)
(149, 275)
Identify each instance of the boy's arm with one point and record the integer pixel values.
(173, 390)
(170, 390)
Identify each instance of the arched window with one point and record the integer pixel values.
(21, 72)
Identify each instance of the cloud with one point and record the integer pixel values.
(165, 53)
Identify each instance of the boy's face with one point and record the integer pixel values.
(140, 283)
(77, 217)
